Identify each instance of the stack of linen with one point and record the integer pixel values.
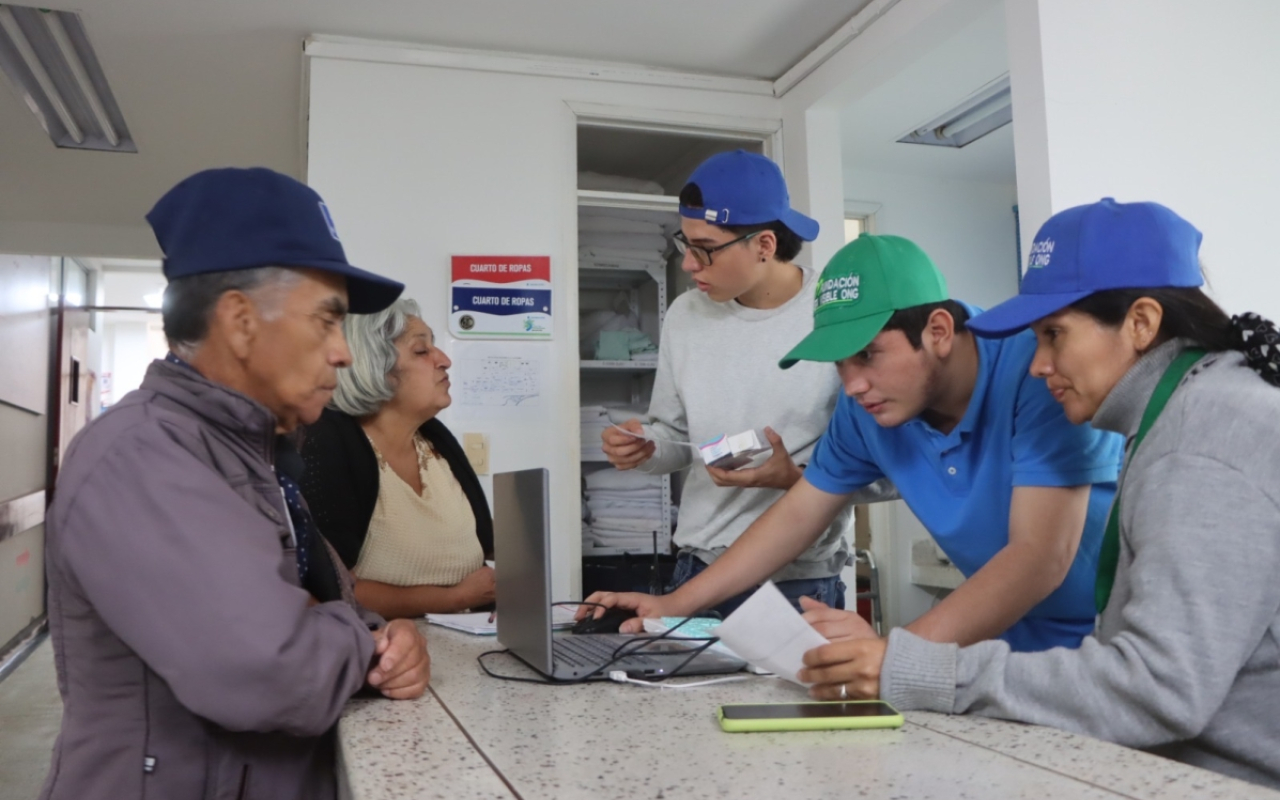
(611, 242)
(625, 512)
(599, 182)
(594, 420)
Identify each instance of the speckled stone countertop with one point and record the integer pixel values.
(473, 736)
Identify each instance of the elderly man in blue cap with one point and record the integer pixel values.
(206, 639)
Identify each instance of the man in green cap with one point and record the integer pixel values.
(1014, 493)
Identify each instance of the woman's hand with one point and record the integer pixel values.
(778, 472)
(844, 670)
(475, 590)
(835, 624)
(627, 452)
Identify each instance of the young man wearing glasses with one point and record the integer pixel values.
(718, 372)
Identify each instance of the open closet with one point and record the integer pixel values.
(629, 179)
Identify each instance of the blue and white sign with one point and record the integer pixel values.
(501, 297)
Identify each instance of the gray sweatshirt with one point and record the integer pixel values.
(1185, 661)
(718, 374)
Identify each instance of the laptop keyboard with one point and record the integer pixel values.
(590, 651)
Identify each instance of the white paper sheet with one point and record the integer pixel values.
(767, 632)
(480, 624)
(498, 380)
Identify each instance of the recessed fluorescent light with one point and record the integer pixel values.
(982, 112)
(47, 57)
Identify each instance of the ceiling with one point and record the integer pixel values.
(207, 83)
(942, 77)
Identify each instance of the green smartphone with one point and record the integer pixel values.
(816, 716)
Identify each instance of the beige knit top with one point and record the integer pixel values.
(428, 539)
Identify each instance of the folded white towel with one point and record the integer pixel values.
(623, 241)
(603, 223)
(599, 182)
(622, 479)
(628, 253)
(598, 262)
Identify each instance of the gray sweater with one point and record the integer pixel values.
(1185, 661)
(718, 374)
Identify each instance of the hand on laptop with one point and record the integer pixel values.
(778, 472)
(627, 452)
(645, 605)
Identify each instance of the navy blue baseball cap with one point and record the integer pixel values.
(1093, 248)
(741, 188)
(221, 220)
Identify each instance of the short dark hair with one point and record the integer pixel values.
(1189, 313)
(189, 301)
(912, 321)
(789, 243)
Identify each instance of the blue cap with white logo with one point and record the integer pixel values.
(221, 220)
(1094, 248)
(741, 188)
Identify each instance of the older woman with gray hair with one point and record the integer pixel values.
(388, 484)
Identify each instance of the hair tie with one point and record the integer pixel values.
(1259, 339)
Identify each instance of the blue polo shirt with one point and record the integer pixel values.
(960, 483)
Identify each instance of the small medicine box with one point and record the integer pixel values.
(732, 452)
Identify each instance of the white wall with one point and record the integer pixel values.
(418, 163)
(966, 228)
(130, 342)
(23, 438)
(1166, 100)
(811, 109)
(130, 289)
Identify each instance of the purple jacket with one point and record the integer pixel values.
(189, 662)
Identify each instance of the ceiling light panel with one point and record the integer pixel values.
(47, 57)
(986, 110)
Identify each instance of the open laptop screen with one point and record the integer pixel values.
(522, 559)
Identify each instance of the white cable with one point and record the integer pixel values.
(618, 676)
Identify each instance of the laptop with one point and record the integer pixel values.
(522, 555)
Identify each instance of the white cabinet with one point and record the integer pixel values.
(624, 298)
(629, 181)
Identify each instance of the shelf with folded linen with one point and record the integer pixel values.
(623, 511)
(634, 365)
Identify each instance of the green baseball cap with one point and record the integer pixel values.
(863, 284)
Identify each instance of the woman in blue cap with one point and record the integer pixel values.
(1186, 657)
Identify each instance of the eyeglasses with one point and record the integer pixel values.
(703, 254)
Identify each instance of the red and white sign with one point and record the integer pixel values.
(501, 296)
(502, 269)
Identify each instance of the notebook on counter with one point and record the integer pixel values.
(480, 624)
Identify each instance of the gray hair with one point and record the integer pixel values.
(189, 302)
(368, 383)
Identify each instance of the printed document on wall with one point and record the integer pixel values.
(498, 380)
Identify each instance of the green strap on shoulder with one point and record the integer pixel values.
(1109, 556)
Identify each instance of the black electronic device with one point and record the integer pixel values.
(608, 622)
